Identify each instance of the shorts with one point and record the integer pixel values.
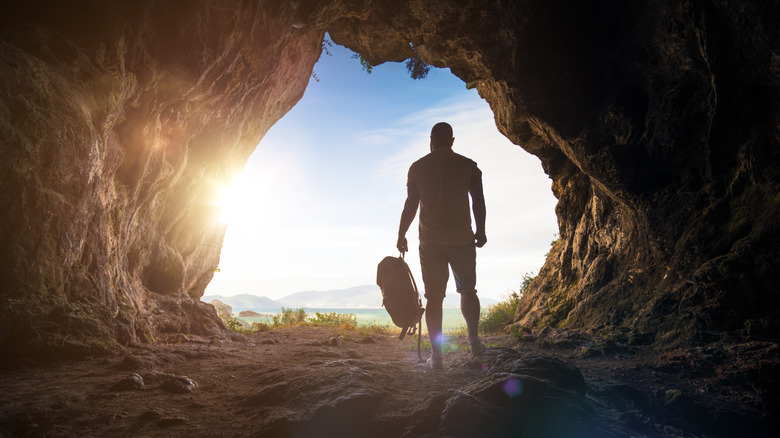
(436, 261)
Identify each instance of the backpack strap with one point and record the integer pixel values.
(419, 320)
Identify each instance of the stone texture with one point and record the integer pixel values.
(121, 120)
(657, 122)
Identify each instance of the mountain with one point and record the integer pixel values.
(365, 296)
(244, 301)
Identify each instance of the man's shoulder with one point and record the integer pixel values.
(438, 156)
(422, 160)
(465, 158)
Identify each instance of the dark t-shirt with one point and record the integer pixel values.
(442, 179)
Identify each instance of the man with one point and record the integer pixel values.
(440, 184)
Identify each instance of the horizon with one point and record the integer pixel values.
(319, 202)
(451, 301)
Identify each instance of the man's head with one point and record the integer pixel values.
(441, 136)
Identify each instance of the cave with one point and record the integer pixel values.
(656, 121)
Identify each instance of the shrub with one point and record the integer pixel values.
(334, 319)
(494, 318)
(290, 318)
(238, 326)
(460, 330)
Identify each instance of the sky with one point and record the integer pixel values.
(319, 202)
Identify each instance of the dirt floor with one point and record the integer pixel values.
(310, 381)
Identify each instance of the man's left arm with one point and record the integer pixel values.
(478, 207)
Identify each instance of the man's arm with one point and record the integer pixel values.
(478, 207)
(407, 216)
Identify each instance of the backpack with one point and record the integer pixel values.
(400, 296)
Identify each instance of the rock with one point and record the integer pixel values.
(465, 415)
(168, 422)
(175, 338)
(133, 381)
(522, 395)
(179, 384)
(249, 313)
(136, 362)
(223, 310)
(152, 415)
(171, 382)
(554, 371)
(336, 340)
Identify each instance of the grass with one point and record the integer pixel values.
(493, 320)
(298, 317)
(496, 318)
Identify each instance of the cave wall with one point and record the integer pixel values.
(120, 121)
(657, 122)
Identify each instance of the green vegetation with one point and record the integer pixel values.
(555, 241)
(417, 68)
(298, 317)
(333, 319)
(364, 63)
(517, 333)
(495, 318)
(373, 329)
(290, 318)
(449, 345)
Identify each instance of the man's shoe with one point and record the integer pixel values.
(476, 346)
(435, 363)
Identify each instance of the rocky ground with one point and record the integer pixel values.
(308, 381)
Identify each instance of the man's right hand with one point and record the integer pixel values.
(402, 244)
(480, 239)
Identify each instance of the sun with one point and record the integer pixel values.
(239, 200)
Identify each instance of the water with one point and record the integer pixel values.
(451, 318)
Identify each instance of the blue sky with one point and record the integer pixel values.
(320, 199)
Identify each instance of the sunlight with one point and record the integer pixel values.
(239, 201)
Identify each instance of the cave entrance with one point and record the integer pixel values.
(320, 199)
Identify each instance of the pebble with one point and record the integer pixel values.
(133, 381)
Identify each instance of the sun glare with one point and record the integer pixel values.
(237, 200)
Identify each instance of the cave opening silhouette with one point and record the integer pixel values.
(320, 198)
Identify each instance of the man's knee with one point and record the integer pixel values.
(435, 299)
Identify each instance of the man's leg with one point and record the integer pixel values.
(435, 272)
(470, 308)
(433, 316)
(463, 259)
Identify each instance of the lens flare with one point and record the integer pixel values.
(512, 387)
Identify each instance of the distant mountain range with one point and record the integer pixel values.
(359, 297)
(244, 301)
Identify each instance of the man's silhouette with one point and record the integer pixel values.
(440, 184)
